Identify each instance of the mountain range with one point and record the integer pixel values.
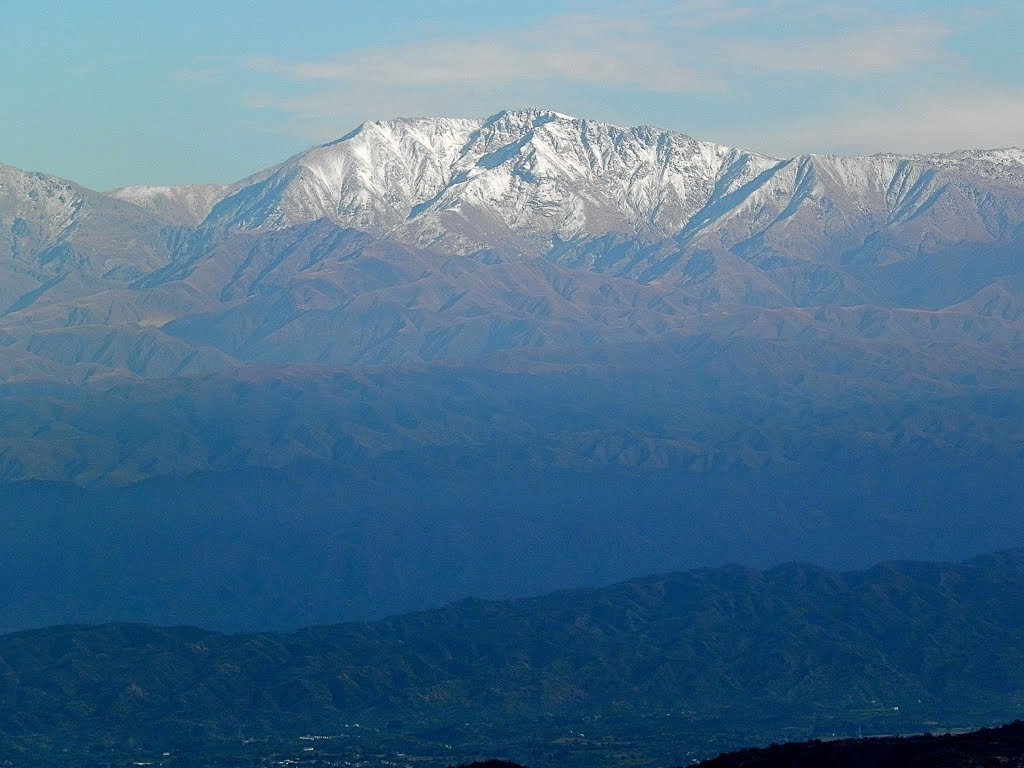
(426, 239)
(385, 373)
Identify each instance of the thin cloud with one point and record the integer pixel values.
(879, 50)
(933, 122)
(570, 48)
(682, 53)
(684, 48)
(199, 74)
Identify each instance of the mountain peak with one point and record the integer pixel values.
(514, 181)
(532, 116)
(534, 181)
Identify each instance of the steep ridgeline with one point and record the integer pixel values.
(686, 665)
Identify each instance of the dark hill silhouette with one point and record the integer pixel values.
(1002, 746)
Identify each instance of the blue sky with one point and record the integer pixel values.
(111, 93)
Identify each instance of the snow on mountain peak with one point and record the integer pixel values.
(532, 181)
(517, 177)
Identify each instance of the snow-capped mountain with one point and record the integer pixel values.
(516, 182)
(536, 182)
(532, 181)
(357, 251)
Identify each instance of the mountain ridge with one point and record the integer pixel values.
(510, 132)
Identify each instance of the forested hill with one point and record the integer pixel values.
(762, 656)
